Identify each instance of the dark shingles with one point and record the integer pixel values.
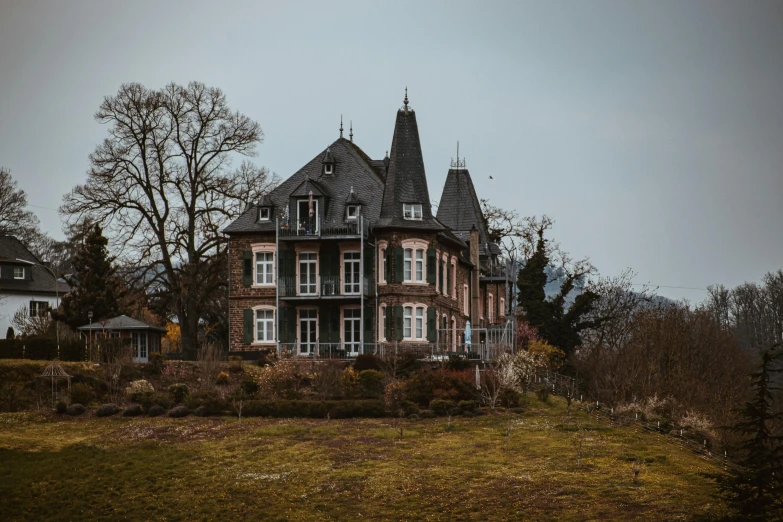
(41, 280)
(122, 322)
(406, 181)
(353, 168)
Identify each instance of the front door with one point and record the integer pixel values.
(140, 348)
(307, 278)
(307, 328)
(352, 324)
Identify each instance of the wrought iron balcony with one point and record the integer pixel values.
(324, 287)
(317, 227)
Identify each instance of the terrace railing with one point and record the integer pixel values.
(434, 352)
(318, 227)
(325, 286)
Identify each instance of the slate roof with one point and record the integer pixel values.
(460, 210)
(122, 322)
(41, 280)
(352, 168)
(406, 181)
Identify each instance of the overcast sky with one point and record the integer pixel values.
(651, 131)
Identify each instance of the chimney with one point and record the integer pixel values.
(474, 277)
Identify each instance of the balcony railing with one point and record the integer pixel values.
(493, 271)
(434, 352)
(325, 286)
(317, 227)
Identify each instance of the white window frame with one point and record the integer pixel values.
(355, 215)
(306, 201)
(356, 287)
(18, 272)
(502, 307)
(453, 333)
(490, 306)
(412, 313)
(382, 333)
(416, 248)
(312, 344)
(264, 214)
(454, 278)
(266, 248)
(256, 320)
(465, 299)
(382, 262)
(310, 262)
(35, 308)
(412, 211)
(328, 168)
(356, 343)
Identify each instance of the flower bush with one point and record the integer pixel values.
(137, 389)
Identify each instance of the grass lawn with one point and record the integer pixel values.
(266, 469)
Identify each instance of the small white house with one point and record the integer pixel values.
(25, 281)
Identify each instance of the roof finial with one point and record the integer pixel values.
(341, 125)
(351, 189)
(351, 134)
(458, 164)
(405, 101)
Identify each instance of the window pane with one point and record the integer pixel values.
(407, 323)
(420, 265)
(408, 256)
(419, 323)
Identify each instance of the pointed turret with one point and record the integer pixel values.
(406, 199)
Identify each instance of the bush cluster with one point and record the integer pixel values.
(156, 411)
(210, 400)
(179, 411)
(134, 410)
(107, 410)
(424, 386)
(343, 409)
(179, 391)
(75, 410)
(370, 383)
(222, 378)
(137, 389)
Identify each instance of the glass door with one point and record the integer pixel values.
(352, 323)
(307, 278)
(307, 330)
(351, 268)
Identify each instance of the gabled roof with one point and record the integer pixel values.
(14, 253)
(406, 181)
(353, 168)
(307, 186)
(122, 322)
(460, 210)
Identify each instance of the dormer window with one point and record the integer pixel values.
(264, 213)
(18, 272)
(352, 212)
(328, 168)
(411, 211)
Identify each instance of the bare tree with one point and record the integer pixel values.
(32, 325)
(15, 219)
(161, 183)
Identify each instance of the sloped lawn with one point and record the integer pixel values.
(54, 468)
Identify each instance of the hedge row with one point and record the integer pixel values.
(42, 349)
(315, 409)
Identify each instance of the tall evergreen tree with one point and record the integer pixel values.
(94, 282)
(755, 491)
(556, 321)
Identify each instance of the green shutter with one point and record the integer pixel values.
(324, 314)
(248, 326)
(369, 262)
(398, 327)
(369, 324)
(432, 324)
(247, 268)
(399, 264)
(334, 327)
(448, 279)
(431, 265)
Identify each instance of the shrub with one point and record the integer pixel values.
(283, 380)
(394, 398)
(328, 382)
(370, 383)
(443, 407)
(133, 410)
(179, 391)
(158, 362)
(508, 398)
(156, 411)
(315, 409)
(148, 400)
(61, 407)
(457, 363)
(75, 409)
(410, 408)
(81, 393)
(211, 400)
(222, 378)
(137, 389)
(201, 411)
(467, 406)
(178, 411)
(425, 386)
(427, 414)
(543, 393)
(365, 362)
(235, 363)
(107, 410)
(249, 386)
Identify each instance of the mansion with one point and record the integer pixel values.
(346, 257)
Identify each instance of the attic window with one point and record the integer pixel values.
(264, 213)
(352, 212)
(411, 210)
(328, 168)
(18, 272)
